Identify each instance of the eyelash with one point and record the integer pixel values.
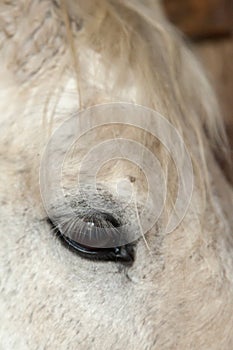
(124, 254)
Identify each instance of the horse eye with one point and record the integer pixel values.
(124, 254)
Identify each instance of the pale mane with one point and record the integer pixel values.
(138, 46)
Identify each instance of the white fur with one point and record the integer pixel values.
(178, 295)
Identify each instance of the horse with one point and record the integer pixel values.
(116, 217)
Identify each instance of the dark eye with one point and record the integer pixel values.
(123, 253)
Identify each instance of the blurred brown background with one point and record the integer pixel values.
(209, 24)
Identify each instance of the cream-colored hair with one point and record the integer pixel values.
(56, 58)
